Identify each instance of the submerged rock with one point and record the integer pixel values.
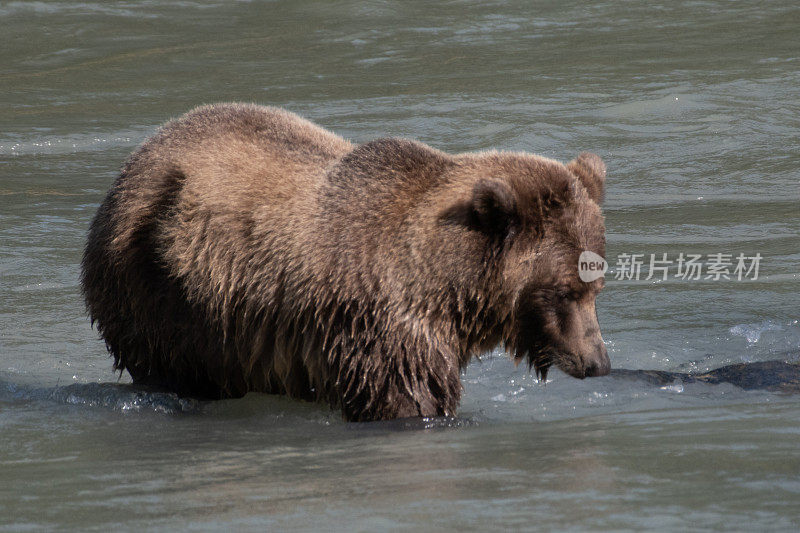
(122, 397)
(777, 376)
(115, 396)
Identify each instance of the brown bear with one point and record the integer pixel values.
(244, 248)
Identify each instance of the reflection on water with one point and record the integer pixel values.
(694, 108)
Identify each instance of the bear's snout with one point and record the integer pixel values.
(597, 364)
(582, 346)
(588, 364)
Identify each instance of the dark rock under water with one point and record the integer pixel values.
(776, 376)
(114, 396)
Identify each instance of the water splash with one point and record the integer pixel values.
(753, 332)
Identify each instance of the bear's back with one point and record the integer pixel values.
(247, 151)
(249, 182)
(226, 159)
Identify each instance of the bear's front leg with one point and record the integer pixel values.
(388, 383)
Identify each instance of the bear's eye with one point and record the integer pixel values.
(567, 294)
(563, 294)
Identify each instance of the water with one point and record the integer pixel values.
(693, 105)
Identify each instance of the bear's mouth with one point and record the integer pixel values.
(542, 359)
(539, 360)
(541, 371)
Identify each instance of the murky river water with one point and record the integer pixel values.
(695, 106)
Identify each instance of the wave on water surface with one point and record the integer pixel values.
(74, 142)
(753, 332)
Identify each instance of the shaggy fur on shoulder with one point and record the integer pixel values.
(244, 248)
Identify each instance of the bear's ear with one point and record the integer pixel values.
(591, 171)
(491, 210)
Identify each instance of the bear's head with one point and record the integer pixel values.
(518, 224)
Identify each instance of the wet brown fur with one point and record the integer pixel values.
(244, 248)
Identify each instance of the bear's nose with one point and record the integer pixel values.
(600, 365)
